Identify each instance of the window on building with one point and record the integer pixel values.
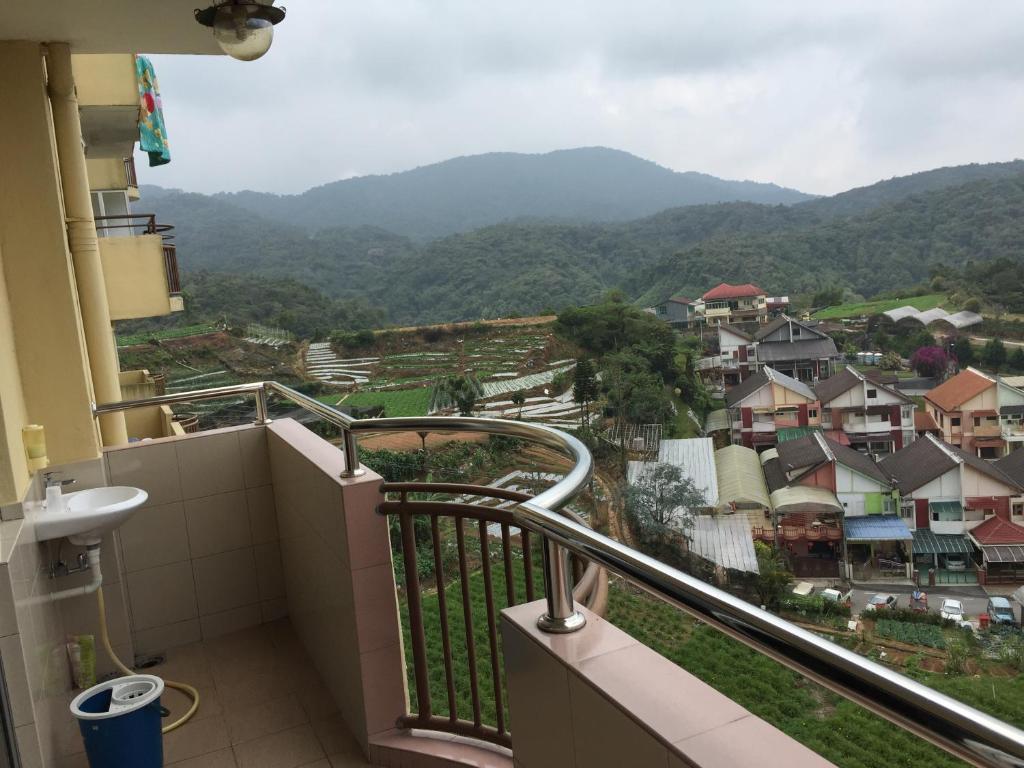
(812, 413)
(1017, 508)
(887, 505)
(796, 330)
(977, 421)
(872, 394)
(954, 421)
(662, 309)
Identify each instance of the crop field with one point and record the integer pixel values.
(398, 402)
(169, 333)
(840, 731)
(863, 308)
(909, 632)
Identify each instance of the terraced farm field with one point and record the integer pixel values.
(401, 402)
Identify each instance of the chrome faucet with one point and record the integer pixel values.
(52, 479)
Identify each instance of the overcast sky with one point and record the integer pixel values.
(821, 96)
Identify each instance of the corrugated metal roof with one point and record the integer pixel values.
(876, 528)
(726, 541)
(805, 498)
(785, 434)
(696, 457)
(802, 349)
(740, 479)
(793, 385)
(947, 511)
(928, 543)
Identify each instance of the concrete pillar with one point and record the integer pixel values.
(85, 252)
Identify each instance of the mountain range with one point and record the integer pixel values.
(558, 234)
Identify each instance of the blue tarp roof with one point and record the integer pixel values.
(876, 528)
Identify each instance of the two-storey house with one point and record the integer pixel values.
(856, 525)
(737, 354)
(945, 493)
(727, 303)
(871, 416)
(678, 311)
(796, 349)
(978, 412)
(766, 402)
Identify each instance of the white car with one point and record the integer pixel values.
(952, 610)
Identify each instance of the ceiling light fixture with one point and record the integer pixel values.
(244, 29)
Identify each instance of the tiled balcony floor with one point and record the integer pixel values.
(261, 706)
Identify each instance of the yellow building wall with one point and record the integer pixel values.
(49, 353)
(105, 79)
(13, 468)
(106, 173)
(133, 269)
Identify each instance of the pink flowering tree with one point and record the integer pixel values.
(930, 361)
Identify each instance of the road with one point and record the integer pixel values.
(973, 597)
(981, 340)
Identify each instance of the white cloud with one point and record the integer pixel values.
(818, 96)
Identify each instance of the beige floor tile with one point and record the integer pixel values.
(348, 761)
(195, 738)
(288, 749)
(222, 758)
(336, 738)
(264, 718)
(178, 702)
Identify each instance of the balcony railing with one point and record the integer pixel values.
(961, 730)
(129, 172)
(132, 224)
(171, 266)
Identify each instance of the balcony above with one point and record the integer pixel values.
(140, 267)
(112, 173)
(108, 98)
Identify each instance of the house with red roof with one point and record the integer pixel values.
(727, 303)
(1002, 549)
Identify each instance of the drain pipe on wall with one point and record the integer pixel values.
(96, 585)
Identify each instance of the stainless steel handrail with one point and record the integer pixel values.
(959, 729)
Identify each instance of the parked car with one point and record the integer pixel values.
(1000, 611)
(952, 609)
(956, 562)
(803, 589)
(881, 602)
(835, 596)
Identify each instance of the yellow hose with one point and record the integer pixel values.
(188, 690)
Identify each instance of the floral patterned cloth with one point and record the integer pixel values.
(152, 131)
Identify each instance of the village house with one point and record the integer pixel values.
(678, 311)
(727, 303)
(978, 412)
(862, 412)
(766, 402)
(837, 489)
(796, 349)
(946, 493)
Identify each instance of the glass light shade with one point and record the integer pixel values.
(241, 34)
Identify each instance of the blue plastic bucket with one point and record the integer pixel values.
(120, 722)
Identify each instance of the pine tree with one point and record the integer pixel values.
(584, 388)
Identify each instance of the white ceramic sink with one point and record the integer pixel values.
(88, 514)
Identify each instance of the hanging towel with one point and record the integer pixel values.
(152, 131)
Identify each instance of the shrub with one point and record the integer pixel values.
(972, 305)
(813, 606)
(353, 339)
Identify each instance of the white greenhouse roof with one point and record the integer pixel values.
(957, 320)
(900, 312)
(740, 478)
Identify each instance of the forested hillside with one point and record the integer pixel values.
(458, 195)
(528, 266)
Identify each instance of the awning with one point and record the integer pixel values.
(877, 528)
(1011, 410)
(948, 511)
(1004, 553)
(928, 543)
(717, 420)
(805, 498)
(740, 478)
(985, 412)
(794, 433)
(988, 440)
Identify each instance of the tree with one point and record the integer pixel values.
(972, 305)
(519, 400)
(993, 354)
(661, 505)
(891, 361)
(773, 575)
(827, 297)
(1016, 360)
(456, 391)
(930, 361)
(584, 388)
(963, 351)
